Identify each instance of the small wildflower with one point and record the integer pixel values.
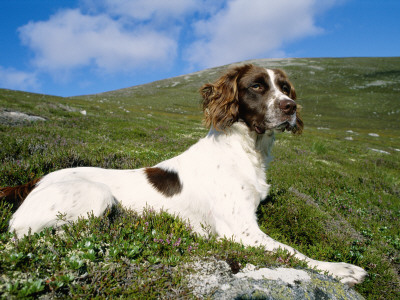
(283, 261)
(177, 243)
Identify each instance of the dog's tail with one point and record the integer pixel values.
(17, 194)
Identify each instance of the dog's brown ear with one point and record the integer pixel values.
(206, 92)
(292, 94)
(299, 121)
(221, 99)
(220, 102)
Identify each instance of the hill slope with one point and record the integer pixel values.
(341, 89)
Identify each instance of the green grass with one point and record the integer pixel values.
(332, 198)
(120, 254)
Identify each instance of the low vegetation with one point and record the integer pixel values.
(335, 189)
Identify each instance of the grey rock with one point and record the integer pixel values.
(214, 279)
(16, 118)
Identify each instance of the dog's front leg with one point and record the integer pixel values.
(250, 234)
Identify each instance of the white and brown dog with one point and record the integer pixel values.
(218, 182)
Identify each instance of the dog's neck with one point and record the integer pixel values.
(251, 142)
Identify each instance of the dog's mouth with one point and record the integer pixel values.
(259, 129)
(288, 124)
(285, 125)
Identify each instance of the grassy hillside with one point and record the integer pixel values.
(335, 195)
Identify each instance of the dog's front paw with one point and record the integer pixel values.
(347, 273)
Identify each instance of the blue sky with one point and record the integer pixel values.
(69, 48)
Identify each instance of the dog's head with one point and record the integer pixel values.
(262, 98)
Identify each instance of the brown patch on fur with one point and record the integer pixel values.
(165, 181)
(16, 195)
(281, 80)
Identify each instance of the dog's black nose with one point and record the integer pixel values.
(288, 106)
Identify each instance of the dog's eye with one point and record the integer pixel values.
(286, 89)
(256, 86)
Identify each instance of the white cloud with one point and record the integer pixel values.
(18, 80)
(253, 29)
(160, 12)
(123, 35)
(144, 9)
(71, 39)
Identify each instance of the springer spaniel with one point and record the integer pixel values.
(218, 182)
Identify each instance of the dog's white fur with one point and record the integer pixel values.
(223, 181)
